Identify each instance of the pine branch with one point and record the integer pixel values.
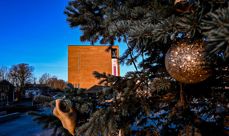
(50, 122)
(216, 28)
(99, 124)
(150, 27)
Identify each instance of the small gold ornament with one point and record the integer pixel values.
(187, 62)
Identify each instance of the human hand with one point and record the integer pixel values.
(67, 118)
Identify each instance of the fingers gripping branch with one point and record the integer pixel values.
(67, 118)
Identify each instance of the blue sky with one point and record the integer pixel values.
(36, 32)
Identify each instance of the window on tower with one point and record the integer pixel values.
(113, 53)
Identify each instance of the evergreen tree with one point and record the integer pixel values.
(149, 101)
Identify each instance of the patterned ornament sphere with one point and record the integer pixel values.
(187, 62)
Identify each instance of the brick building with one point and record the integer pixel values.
(84, 60)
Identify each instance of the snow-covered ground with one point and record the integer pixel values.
(22, 126)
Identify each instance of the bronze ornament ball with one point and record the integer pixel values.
(187, 62)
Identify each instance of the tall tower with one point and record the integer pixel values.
(84, 60)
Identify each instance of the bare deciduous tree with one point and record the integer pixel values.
(21, 74)
(44, 79)
(56, 83)
(52, 81)
(3, 73)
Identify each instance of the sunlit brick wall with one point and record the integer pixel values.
(83, 60)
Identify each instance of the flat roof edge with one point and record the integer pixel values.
(92, 45)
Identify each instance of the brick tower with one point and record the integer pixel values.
(84, 60)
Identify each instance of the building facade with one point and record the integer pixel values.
(6, 93)
(84, 60)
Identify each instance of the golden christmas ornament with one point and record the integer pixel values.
(187, 62)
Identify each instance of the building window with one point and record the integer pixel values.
(113, 53)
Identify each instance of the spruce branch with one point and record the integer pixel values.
(216, 28)
(150, 27)
(190, 22)
(50, 122)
